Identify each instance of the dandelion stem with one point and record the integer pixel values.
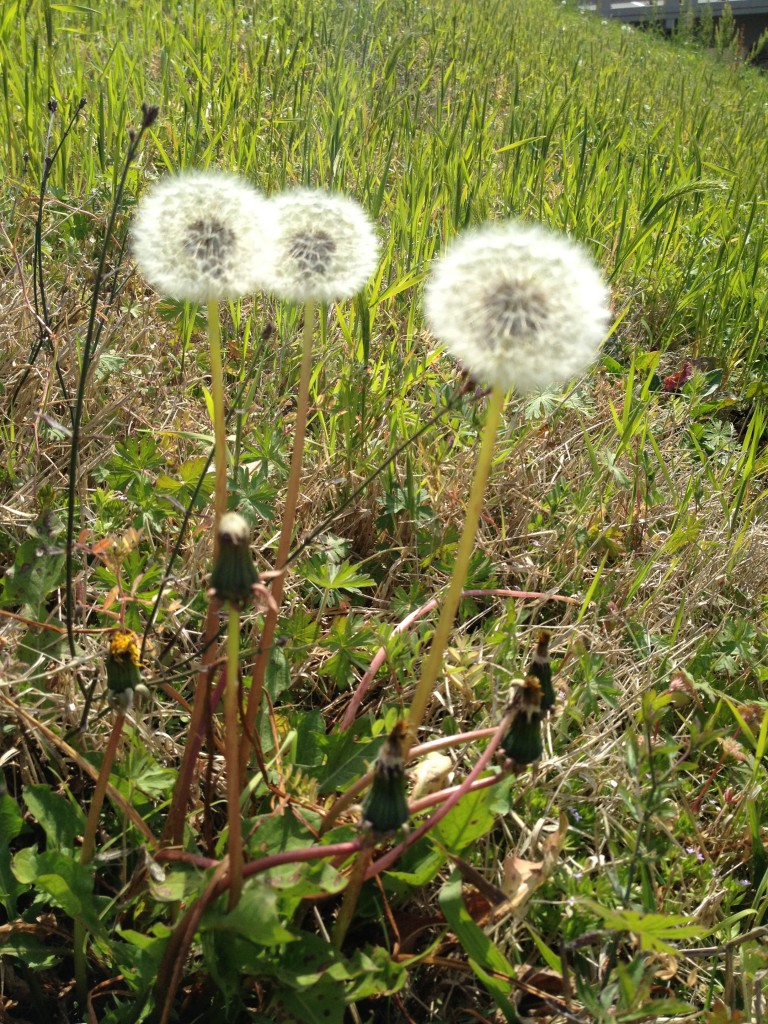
(235, 844)
(173, 830)
(284, 544)
(219, 425)
(89, 844)
(352, 893)
(434, 660)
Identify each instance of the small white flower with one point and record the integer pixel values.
(521, 307)
(202, 236)
(325, 248)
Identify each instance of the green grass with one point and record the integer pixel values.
(645, 506)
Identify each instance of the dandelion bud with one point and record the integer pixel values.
(123, 669)
(234, 575)
(540, 667)
(385, 808)
(522, 741)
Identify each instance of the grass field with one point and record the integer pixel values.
(626, 878)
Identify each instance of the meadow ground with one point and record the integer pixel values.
(627, 879)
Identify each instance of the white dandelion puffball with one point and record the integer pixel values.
(202, 236)
(325, 250)
(520, 306)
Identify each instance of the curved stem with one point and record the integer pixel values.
(284, 544)
(380, 657)
(434, 661)
(235, 841)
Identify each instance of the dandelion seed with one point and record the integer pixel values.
(521, 307)
(203, 236)
(325, 248)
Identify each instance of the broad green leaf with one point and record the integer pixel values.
(68, 883)
(33, 952)
(323, 1003)
(255, 917)
(11, 821)
(11, 825)
(278, 676)
(348, 758)
(655, 932)
(34, 574)
(61, 819)
(484, 956)
(419, 866)
(471, 818)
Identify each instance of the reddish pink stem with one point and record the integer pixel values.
(380, 657)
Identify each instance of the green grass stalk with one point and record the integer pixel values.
(174, 826)
(219, 422)
(232, 747)
(352, 893)
(432, 665)
(284, 544)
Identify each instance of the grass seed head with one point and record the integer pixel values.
(326, 247)
(520, 306)
(203, 236)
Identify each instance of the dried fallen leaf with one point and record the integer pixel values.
(521, 877)
(430, 774)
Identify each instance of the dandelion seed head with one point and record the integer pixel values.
(521, 307)
(202, 236)
(326, 247)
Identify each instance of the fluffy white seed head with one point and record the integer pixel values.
(202, 236)
(520, 306)
(325, 247)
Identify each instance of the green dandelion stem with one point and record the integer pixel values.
(232, 750)
(434, 661)
(352, 893)
(219, 424)
(284, 544)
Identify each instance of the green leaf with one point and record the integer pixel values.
(61, 819)
(348, 758)
(255, 917)
(11, 825)
(34, 953)
(67, 882)
(324, 1003)
(310, 726)
(484, 956)
(11, 821)
(34, 575)
(278, 677)
(655, 932)
(471, 818)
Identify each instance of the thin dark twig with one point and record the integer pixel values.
(38, 277)
(149, 115)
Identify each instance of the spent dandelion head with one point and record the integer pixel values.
(520, 306)
(202, 236)
(325, 247)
